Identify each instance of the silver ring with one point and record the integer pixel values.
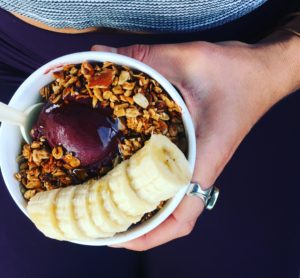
(209, 196)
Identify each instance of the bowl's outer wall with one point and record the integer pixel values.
(28, 94)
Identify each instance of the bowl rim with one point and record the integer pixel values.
(96, 56)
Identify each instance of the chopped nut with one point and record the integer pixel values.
(48, 167)
(56, 89)
(113, 98)
(107, 94)
(58, 172)
(71, 160)
(55, 99)
(98, 94)
(35, 183)
(73, 71)
(107, 64)
(128, 93)
(124, 76)
(45, 92)
(141, 100)
(127, 99)
(26, 151)
(128, 86)
(39, 155)
(164, 116)
(57, 152)
(103, 80)
(132, 112)
(122, 106)
(119, 112)
(131, 123)
(157, 89)
(153, 114)
(115, 82)
(18, 177)
(118, 90)
(87, 70)
(32, 173)
(72, 80)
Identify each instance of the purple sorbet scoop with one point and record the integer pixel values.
(91, 134)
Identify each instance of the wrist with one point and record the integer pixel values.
(280, 54)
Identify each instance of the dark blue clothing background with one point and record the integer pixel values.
(254, 230)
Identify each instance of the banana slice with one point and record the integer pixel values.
(97, 211)
(66, 216)
(82, 212)
(41, 210)
(114, 212)
(123, 195)
(158, 170)
(101, 208)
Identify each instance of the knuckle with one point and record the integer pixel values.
(141, 52)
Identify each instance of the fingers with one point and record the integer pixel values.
(179, 224)
(166, 59)
(174, 63)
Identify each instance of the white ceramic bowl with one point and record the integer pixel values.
(28, 94)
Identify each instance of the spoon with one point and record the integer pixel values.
(24, 119)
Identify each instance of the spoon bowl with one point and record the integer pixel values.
(24, 119)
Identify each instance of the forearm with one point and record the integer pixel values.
(280, 53)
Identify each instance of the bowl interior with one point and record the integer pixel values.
(28, 94)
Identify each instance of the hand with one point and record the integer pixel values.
(227, 88)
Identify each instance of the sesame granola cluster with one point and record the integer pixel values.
(140, 104)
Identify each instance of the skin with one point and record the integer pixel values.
(228, 87)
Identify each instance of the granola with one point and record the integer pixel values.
(140, 104)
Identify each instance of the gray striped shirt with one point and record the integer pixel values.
(133, 15)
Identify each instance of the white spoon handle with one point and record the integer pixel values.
(11, 115)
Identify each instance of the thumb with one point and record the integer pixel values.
(166, 59)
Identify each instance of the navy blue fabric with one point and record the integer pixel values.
(256, 236)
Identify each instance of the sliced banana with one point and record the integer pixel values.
(123, 195)
(98, 213)
(66, 216)
(41, 210)
(83, 214)
(101, 208)
(114, 212)
(158, 170)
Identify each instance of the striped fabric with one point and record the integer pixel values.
(133, 15)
